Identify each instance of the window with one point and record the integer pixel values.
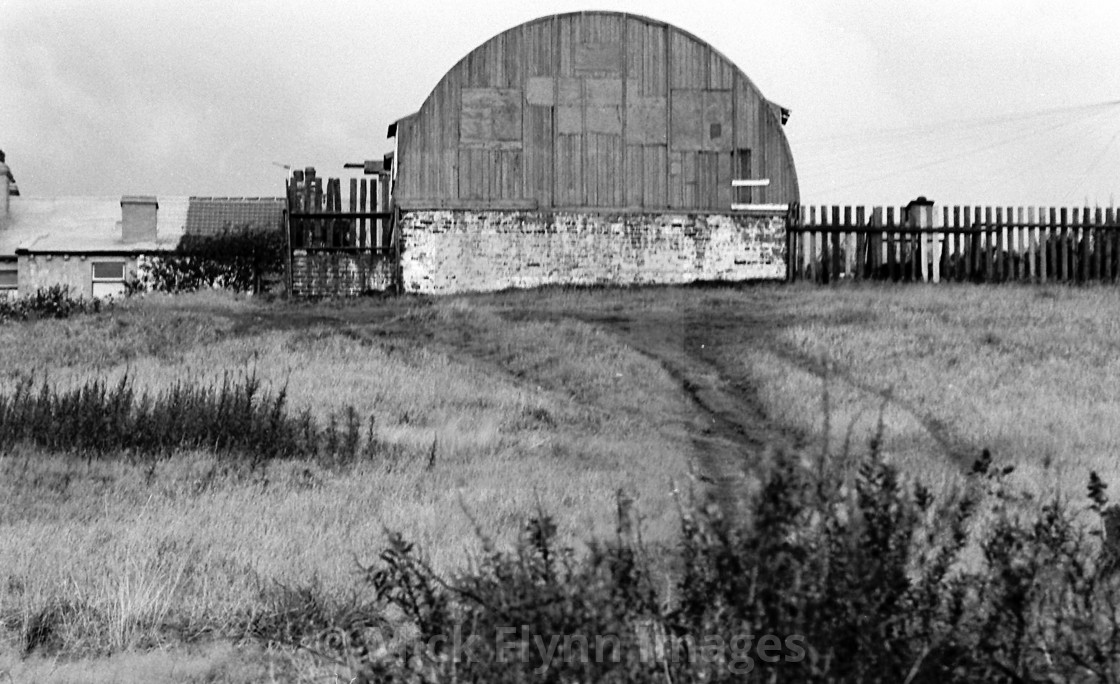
(9, 275)
(108, 278)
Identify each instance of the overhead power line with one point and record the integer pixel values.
(910, 167)
(1044, 142)
(959, 124)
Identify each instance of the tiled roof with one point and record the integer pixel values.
(85, 225)
(211, 215)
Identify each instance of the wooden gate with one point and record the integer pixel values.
(342, 243)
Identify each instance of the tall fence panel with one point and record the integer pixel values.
(831, 244)
(317, 221)
(336, 251)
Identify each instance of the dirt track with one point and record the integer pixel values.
(730, 430)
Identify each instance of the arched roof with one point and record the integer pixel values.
(567, 109)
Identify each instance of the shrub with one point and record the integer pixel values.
(239, 258)
(56, 301)
(837, 571)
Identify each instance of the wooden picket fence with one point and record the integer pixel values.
(976, 244)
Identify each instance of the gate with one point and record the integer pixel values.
(336, 251)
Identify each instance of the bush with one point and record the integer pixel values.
(235, 417)
(835, 572)
(239, 258)
(56, 301)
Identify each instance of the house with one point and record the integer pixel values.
(92, 244)
(89, 244)
(592, 147)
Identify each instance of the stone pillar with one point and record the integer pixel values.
(919, 214)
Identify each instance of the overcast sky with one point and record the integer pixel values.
(963, 101)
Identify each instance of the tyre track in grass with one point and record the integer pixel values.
(734, 431)
(731, 432)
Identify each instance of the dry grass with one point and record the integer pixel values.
(520, 410)
(133, 556)
(1029, 373)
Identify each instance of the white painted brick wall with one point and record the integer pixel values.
(459, 251)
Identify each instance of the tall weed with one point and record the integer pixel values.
(237, 416)
(838, 571)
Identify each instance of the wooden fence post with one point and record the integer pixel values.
(363, 202)
(1018, 253)
(1106, 247)
(352, 224)
(943, 247)
(1053, 253)
(849, 242)
(802, 242)
(876, 246)
(861, 245)
(813, 271)
(836, 249)
(958, 246)
(1063, 245)
(1077, 228)
(826, 245)
(1000, 272)
(892, 258)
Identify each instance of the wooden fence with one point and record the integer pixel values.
(977, 244)
(317, 222)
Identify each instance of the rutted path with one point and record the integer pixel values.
(732, 431)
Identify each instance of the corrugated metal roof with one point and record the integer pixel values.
(85, 225)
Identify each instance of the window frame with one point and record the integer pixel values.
(9, 267)
(95, 280)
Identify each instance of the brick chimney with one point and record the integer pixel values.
(138, 218)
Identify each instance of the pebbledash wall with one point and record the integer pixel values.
(446, 251)
(329, 273)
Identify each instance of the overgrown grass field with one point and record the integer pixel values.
(473, 413)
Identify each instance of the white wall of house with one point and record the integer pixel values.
(86, 275)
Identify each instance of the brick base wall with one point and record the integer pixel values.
(459, 251)
(339, 273)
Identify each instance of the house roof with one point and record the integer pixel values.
(211, 215)
(85, 225)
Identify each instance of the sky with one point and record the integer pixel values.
(989, 102)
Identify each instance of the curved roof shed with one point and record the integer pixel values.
(594, 111)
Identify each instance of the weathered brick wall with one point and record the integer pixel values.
(458, 251)
(339, 273)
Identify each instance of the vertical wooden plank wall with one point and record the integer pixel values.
(593, 110)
